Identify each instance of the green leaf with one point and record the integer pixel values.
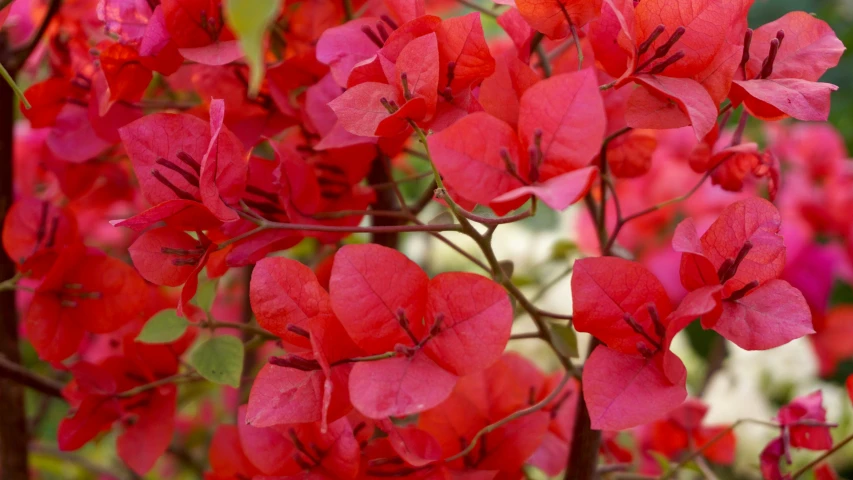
(842, 294)
(249, 20)
(565, 340)
(164, 327)
(563, 249)
(533, 473)
(662, 462)
(205, 294)
(220, 360)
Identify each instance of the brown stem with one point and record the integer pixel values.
(13, 420)
(21, 375)
(583, 456)
(385, 201)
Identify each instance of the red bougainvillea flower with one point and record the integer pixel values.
(478, 400)
(421, 72)
(683, 55)
(737, 262)
(190, 172)
(84, 291)
(455, 324)
(556, 18)
(635, 378)
(682, 431)
(803, 425)
(732, 162)
(34, 233)
(171, 257)
(105, 393)
(298, 451)
(781, 67)
(561, 125)
(310, 384)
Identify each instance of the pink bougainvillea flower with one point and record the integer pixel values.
(739, 260)
(781, 70)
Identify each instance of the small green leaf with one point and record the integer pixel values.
(220, 360)
(533, 473)
(565, 339)
(842, 294)
(562, 249)
(164, 327)
(662, 462)
(206, 294)
(249, 19)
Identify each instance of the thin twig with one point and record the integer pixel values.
(805, 468)
(513, 416)
(23, 376)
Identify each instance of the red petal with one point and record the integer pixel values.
(461, 40)
(369, 285)
(569, 111)
(285, 292)
(476, 322)
(623, 391)
(399, 386)
(557, 192)
(159, 267)
(283, 395)
(146, 440)
(769, 316)
(468, 156)
(689, 95)
(605, 289)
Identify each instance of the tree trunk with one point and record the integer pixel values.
(13, 421)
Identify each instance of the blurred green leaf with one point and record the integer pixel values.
(565, 339)
(842, 294)
(220, 360)
(164, 327)
(249, 20)
(206, 294)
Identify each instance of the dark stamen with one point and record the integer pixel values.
(660, 330)
(636, 327)
(189, 160)
(404, 324)
(183, 262)
(644, 350)
(451, 72)
(296, 362)
(740, 293)
(747, 43)
(391, 23)
(51, 237)
(728, 273)
(272, 197)
(298, 331)
(666, 63)
(404, 79)
(331, 168)
(649, 41)
(42, 223)
(383, 34)
(264, 207)
(372, 36)
(767, 66)
(189, 177)
(661, 51)
(165, 181)
(388, 106)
